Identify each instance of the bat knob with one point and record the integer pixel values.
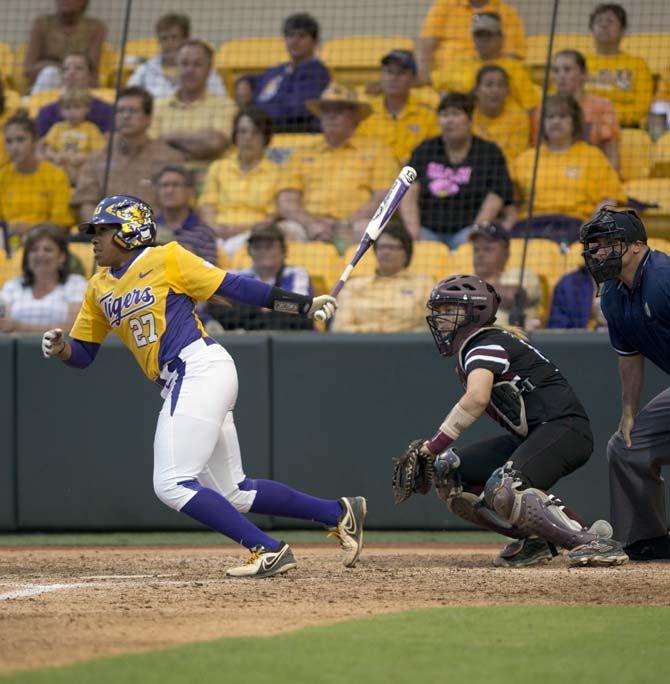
(408, 174)
(320, 315)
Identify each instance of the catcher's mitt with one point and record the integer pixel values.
(412, 472)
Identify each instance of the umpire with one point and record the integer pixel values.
(636, 303)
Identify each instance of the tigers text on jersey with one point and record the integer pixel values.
(149, 303)
(528, 389)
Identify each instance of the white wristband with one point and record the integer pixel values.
(457, 422)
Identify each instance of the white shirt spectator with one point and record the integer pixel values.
(154, 80)
(21, 305)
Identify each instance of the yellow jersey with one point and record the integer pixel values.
(149, 303)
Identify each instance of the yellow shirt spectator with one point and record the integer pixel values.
(241, 197)
(510, 131)
(336, 182)
(460, 76)
(625, 80)
(173, 116)
(38, 197)
(451, 20)
(571, 182)
(384, 304)
(82, 138)
(401, 133)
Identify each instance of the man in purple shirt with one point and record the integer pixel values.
(76, 74)
(176, 219)
(282, 90)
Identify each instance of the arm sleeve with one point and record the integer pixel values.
(291, 177)
(499, 180)
(257, 293)
(619, 342)
(90, 324)
(83, 354)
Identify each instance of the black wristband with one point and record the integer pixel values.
(284, 301)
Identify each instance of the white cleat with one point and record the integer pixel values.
(264, 563)
(349, 530)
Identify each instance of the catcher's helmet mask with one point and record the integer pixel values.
(473, 303)
(132, 218)
(606, 238)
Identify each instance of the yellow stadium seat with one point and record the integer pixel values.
(140, 50)
(543, 257)
(461, 259)
(247, 56)
(321, 260)
(654, 48)
(651, 191)
(109, 64)
(17, 79)
(635, 149)
(574, 258)
(84, 252)
(661, 244)
(45, 97)
(10, 267)
(660, 157)
(356, 59)
(282, 145)
(6, 63)
(429, 258)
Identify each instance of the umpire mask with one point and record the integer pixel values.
(606, 238)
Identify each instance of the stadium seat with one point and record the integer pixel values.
(247, 56)
(429, 258)
(84, 252)
(660, 157)
(17, 79)
(653, 191)
(10, 267)
(137, 52)
(538, 45)
(574, 258)
(109, 64)
(661, 244)
(6, 63)
(461, 259)
(45, 97)
(321, 260)
(282, 145)
(543, 257)
(356, 59)
(635, 150)
(654, 48)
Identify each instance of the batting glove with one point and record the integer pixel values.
(52, 343)
(323, 307)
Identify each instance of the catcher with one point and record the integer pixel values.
(502, 484)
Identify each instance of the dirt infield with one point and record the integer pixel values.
(59, 606)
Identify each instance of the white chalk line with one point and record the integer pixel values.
(30, 590)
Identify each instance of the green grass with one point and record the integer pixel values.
(505, 645)
(206, 538)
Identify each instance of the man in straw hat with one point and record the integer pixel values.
(331, 189)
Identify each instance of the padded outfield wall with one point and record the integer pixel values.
(322, 413)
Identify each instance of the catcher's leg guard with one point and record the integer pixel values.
(532, 511)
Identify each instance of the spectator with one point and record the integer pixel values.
(490, 243)
(398, 117)
(461, 179)
(135, 157)
(31, 191)
(573, 178)
(76, 75)
(267, 249)
(69, 142)
(460, 74)
(158, 75)
(620, 77)
(283, 90)
(192, 120)
(46, 295)
(176, 218)
(574, 303)
(392, 300)
(496, 117)
(330, 190)
(445, 35)
(53, 36)
(241, 190)
(601, 123)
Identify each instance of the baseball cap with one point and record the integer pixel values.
(403, 58)
(492, 231)
(269, 233)
(486, 23)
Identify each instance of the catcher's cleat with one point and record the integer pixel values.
(264, 563)
(522, 553)
(596, 553)
(349, 530)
